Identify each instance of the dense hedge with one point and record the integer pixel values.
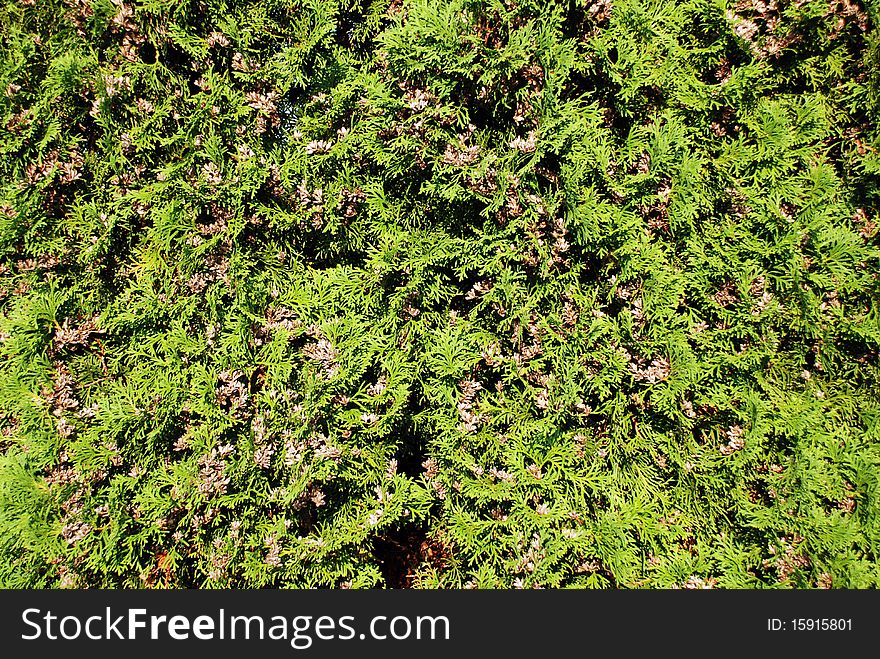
(439, 293)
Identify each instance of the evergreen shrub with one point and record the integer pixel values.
(439, 293)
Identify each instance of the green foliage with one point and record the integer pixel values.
(339, 293)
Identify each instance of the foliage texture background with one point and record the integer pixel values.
(439, 294)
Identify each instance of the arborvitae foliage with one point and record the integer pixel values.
(438, 293)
